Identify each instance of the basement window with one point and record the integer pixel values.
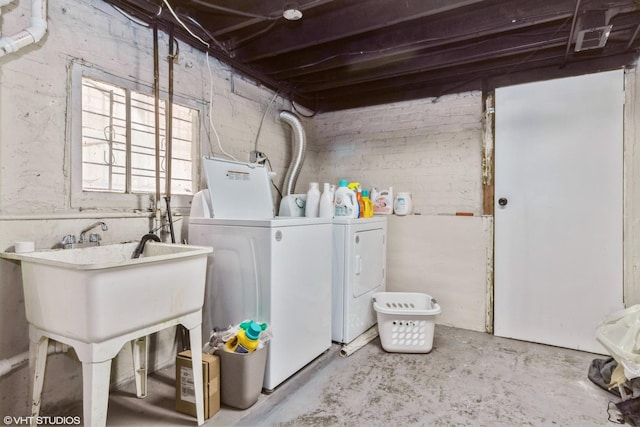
(114, 142)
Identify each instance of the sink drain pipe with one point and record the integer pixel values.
(8, 365)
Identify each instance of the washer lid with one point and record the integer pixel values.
(238, 190)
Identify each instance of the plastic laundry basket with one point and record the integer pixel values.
(406, 321)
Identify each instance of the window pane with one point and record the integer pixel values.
(103, 138)
(104, 155)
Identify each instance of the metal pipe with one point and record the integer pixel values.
(169, 117)
(573, 28)
(168, 151)
(299, 146)
(156, 92)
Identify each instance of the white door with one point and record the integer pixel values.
(558, 212)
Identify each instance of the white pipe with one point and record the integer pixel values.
(29, 35)
(8, 365)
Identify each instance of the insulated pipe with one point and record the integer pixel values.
(29, 35)
(297, 154)
(8, 365)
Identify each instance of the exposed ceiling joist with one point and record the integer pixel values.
(346, 53)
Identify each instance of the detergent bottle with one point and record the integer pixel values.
(247, 339)
(312, 206)
(355, 187)
(345, 204)
(326, 202)
(368, 204)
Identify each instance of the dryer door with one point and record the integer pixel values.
(368, 261)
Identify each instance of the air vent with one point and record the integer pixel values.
(593, 30)
(593, 38)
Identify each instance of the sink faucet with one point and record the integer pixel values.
(95, 237)
(143, 241)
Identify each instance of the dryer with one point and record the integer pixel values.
(270, 269)
(359, 271)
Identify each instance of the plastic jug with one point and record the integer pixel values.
(313, 201)
(383, 201)
(368, 204)
(326, 202)
(403, 204)
(345, 203)
(247, 339)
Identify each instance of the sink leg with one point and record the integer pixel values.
(95, 393)
(140, 353)
(37, 365)
(195, 339)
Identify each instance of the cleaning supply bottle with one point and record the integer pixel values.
(312, 206)
(360, 202)
(403, 204)
(354, 186)
(345, 202)
(247, 339)
(383, 202)
(368, 204)
(326, 202)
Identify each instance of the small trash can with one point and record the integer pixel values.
(241, 377)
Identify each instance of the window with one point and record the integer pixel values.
(114, 141)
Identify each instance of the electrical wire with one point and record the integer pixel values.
(204, 30)
(131, 17)
(166, 2)
(273, 183)
(255, 147)
(215, 131)
(213, 127)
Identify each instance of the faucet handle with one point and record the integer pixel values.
(68, 239)
(95, 237)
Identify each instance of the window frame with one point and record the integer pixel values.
(138, 201)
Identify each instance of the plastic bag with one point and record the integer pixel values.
(217, 339)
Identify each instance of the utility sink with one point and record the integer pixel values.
(96, 293)
(97, 298)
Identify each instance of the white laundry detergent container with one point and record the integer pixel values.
(406, 321)
(403, 204)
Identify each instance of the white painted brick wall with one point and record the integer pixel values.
(430, 148)
(35, 164)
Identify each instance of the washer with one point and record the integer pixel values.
(359, 271)
(269, 269)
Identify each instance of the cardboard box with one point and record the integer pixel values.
(185, 393)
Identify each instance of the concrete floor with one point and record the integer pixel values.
(470, 378)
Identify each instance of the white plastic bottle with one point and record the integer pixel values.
(403, 204)
(313, 201)
(326, 202)
(346, 204)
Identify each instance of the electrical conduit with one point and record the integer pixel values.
(29, 35)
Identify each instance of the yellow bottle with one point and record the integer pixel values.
(246, 340)
(368, 204)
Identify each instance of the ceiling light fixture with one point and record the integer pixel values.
(291, 11)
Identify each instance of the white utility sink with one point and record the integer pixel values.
(96, 299)
(96, 293)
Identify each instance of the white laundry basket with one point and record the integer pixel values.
(406, 321)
